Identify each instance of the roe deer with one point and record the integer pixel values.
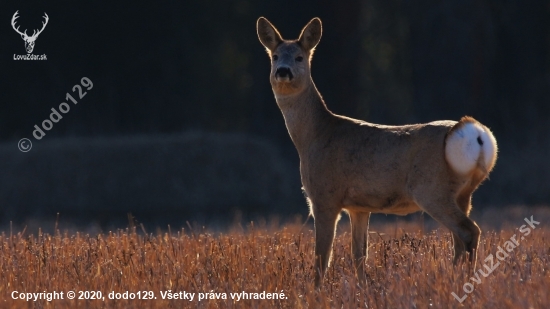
(360, 167)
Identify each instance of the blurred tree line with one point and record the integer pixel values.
(165, 67)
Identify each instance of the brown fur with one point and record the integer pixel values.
(359, 167)
(464, 120)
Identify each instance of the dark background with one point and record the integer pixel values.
(181, 122)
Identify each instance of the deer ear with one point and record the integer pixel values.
(268, 34)
(311, 34)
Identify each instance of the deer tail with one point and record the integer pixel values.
(469, 145)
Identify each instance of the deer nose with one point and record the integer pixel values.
(284, 72)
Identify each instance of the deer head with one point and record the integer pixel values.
(290, 59)
(29, 40)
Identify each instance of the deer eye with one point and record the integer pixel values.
(275, 57)
(299, 58)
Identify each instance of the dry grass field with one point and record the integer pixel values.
(408, 267)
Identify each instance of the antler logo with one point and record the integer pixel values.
(29, 40)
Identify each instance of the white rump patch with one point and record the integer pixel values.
(467, 144)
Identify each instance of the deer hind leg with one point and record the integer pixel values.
(446, 211)
(464, 203)
(459, 251)
(325, 228)
(359, 241)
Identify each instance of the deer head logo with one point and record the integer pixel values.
(29, 40)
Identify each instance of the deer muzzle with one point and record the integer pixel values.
(283, 74)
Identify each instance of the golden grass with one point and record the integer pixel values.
(406, 270)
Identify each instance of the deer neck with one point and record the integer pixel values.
(306, 116)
